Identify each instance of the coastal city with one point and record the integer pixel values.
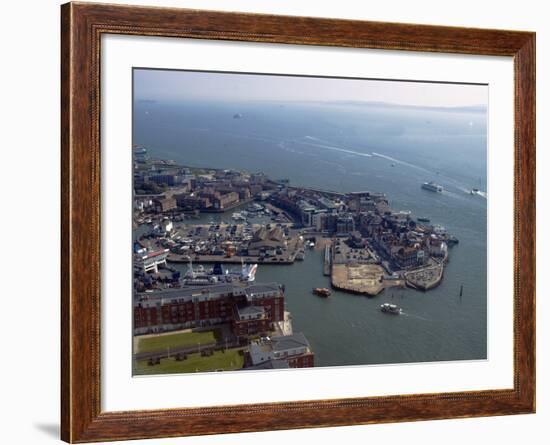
(201, 234)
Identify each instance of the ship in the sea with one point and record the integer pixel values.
(476, 190)
(390, 309)
(432, 187)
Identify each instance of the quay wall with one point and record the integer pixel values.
(427, 285)
(227, 260)
(327, 261)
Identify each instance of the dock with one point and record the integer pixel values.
(236, 259)
(327, 261)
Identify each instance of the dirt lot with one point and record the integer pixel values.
(361, 278)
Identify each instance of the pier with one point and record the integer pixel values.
(327, 260)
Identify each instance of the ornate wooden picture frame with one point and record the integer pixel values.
(82, 26)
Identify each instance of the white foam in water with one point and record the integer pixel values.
(397, 161)
(331, 147)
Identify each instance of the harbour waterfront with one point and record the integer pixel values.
(349, 329)
(345, 149)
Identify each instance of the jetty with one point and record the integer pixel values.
(327, 260)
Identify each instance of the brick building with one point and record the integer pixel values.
(188, 201)
(164, 204)
(250, 310)
(250, 320)
(225, 200)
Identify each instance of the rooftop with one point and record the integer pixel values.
(205, 292)
(250, 311)
(289, 341)
(267, 350)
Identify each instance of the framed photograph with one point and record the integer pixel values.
(274, 222)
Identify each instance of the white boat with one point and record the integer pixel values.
(390, 309)
(476, 190)
(432, 187)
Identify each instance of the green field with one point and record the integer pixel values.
(229, 360)
(173, 341)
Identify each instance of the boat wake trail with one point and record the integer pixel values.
(470, 192)
(447, 181)
(418, 317)
(397, 161)
(482, 194)
(316, 142)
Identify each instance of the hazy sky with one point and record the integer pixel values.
(177, 85)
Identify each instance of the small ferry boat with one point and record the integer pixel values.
(390, 308)
(321, 291)
(432, 187)
(426, 220)
(476, 190)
